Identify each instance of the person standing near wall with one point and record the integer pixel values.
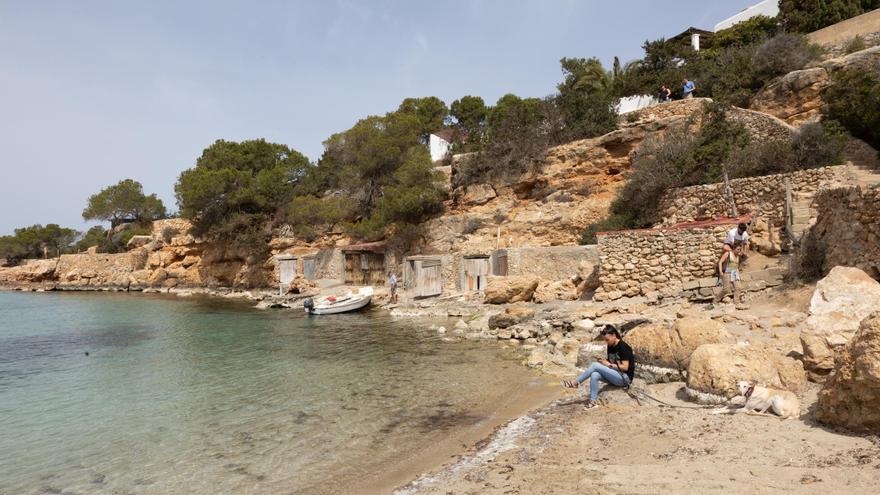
(392, 287)
(665, 94)
(728, 268)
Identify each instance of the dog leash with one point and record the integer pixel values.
(631, 392)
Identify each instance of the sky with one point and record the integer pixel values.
(93, 92)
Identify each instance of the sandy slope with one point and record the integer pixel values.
(625, 448)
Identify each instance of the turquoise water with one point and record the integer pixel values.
(181, 395)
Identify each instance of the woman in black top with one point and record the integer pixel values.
(618, 370)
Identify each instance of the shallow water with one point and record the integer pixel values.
(207, 396)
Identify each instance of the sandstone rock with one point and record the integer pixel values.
(795, 97)
(461, 325)
(590, 353)
(157, 277)
(671, 347)
(476, 194)
(568, 348)
(502, 290)
(511, 316)
(851, 395)
(550, 361)
(716, 368)
(564, 290)
(138, 241)
(840, 302)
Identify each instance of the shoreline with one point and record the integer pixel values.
(565, 448)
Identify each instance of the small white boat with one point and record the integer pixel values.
(330, 305)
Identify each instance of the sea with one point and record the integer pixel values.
(129, 393)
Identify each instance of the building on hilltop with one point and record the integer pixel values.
(769, 8)
(692, 36)
(440, 142)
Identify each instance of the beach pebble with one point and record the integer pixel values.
(441, 330)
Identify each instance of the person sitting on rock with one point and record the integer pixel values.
(728, 268)
(618, 370)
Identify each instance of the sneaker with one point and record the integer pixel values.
(591, 405)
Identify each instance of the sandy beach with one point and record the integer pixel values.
(626, 447)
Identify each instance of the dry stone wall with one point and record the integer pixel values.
(676, 262)
(765, 193)
(847, 230)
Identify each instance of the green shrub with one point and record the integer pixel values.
(679, 158)
(95, 236)
(805, 16)
(856, 44)
(853, 99)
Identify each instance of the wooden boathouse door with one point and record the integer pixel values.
(429, 280)
(475, 273)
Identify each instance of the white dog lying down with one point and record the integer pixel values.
(782, 402)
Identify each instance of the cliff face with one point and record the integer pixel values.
(573, 187)
(550, 206)
(169, 257)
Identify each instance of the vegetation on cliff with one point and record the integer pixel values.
(35, 241)
(682, 158)
(804, 16)
(741, 61)
(124, 202)
(854, 100)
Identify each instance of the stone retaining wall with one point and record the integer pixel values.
(761, 126)
(767, 193)
(552, 262)
(668, 262)
(833, 38)
(847, 229)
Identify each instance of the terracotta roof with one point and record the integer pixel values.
(450, 134)
(697, 224)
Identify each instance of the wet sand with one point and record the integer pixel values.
(463, 439)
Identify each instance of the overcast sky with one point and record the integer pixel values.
(92, 92)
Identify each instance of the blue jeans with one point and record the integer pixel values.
(597, 371)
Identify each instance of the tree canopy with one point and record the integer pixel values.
(236, 189)
(34, 241)
(124, 202)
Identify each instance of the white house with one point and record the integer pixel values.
(440, 142)
(769, 8)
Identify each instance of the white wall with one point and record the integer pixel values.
(633, 103)
(439, 147)
(769, 8)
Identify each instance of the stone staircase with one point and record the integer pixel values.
(802, 214)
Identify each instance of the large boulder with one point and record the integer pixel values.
(562, 290)
(840, 302)
(511, 316)
(503, 290)
(475, 194)
(851, 395)
(715, 369)
(795, 97)
(671, 346)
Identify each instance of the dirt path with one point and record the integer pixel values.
(624, 448)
